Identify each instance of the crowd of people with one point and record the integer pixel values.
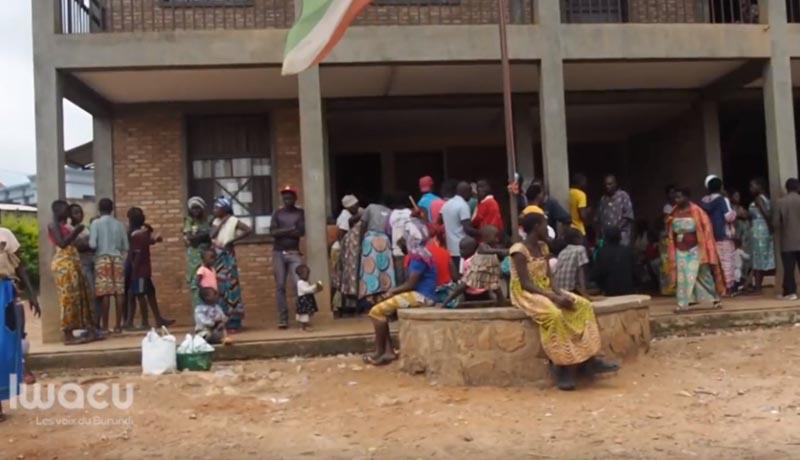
(451, 249)
(393, 255)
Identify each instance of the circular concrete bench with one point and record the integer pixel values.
(500, 345)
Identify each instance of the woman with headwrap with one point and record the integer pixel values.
(418, 290)
(722, 217)
(226, 231)
(196, 236)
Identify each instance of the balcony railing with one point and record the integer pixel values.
(161, 15)
(793, 10)
(81, 16)
(660, 11)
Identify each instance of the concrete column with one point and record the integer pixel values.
(552, 108)
(103, 157)
(49, 184)
(48, 88)
(778, 104)
(778, 109)
(315, 176)
(711, 140)
(523, 138)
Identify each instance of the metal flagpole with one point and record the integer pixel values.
(511, 155)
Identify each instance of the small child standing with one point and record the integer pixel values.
(206, 274)
(142, 288)
(739, 257)
(306, 302)
(570, 273)
(209, 320)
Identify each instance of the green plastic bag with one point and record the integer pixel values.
(195, 361)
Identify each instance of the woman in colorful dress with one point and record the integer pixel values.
(418, 290)
(13, 342)
(10, 343)
(722, 218)
(695, 265)
(196, 236)
(73, 289)
(744, 233)
(376, 271)
(763, 252)
(567, 327)
(226, 231)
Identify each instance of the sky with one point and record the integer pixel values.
(17, 128)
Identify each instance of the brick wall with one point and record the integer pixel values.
(151, 15)
(666, 11)
(150, 172)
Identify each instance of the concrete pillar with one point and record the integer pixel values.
(49, 184)
(103, 157)
(778, 104)
(778, 109)
(49, 111)
(552, 108)
(315, 176)
(523, 138)
(711, 140)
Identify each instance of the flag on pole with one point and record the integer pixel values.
(318, 29)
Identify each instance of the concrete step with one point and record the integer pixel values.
(693, 323)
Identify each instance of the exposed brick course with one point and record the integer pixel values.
(150, 172)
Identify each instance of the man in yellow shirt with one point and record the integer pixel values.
(578, 205)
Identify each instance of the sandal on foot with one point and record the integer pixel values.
(381, 361)
(598, 366)
(77, 341)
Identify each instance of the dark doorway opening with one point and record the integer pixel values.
(358, 174)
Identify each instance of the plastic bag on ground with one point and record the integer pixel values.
(194, 344)
(158, 353)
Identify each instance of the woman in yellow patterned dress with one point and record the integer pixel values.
(73, 290)
(567, 326)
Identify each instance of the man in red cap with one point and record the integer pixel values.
(428, 199)
(287, 227)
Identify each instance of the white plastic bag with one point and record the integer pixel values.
(158, 353)
(185, 346)
(194, 344)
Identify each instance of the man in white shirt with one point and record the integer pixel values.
(458, 220)
(398, 219)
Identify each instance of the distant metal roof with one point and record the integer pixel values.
(13, 207)
(80, 156)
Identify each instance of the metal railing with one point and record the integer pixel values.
(444, 12)
(793, 10)
(81, 16)
(161, 15)
(660, 11)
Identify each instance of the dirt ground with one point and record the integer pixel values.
(733, 395)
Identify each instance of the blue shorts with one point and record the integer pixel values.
(142, 286)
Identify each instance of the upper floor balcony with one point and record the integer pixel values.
(104, 16)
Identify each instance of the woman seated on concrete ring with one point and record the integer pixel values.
(567, 326)
(418, 290)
